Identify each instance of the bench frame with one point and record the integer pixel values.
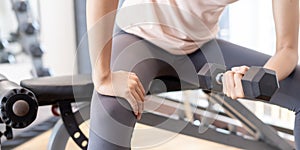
(263, 135)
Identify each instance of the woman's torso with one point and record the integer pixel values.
(178, 26)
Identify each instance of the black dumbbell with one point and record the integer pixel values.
(5, 55)
(43, 72)
(30, 28)
(36, 50)
(3, 44)
(258, 83)
(21, 6)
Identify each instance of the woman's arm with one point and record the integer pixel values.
(98, 34)
(100, 23)
(286, 17)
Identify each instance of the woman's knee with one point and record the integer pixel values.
(112, 122)
(112, 108)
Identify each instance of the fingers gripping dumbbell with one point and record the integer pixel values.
(258, 83)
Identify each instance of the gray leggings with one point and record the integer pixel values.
(112, 120)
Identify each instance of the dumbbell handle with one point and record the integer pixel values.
(219, 80)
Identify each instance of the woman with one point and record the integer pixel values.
(170, 39)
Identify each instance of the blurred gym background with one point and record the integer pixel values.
(62, 26)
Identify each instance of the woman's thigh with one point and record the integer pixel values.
(131, 53)
(228, 54)
(112, 119)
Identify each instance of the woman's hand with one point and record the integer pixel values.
(232, 84)
(126, 85)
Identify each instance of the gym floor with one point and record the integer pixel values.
(177, 143)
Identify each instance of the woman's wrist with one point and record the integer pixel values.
(101, 77)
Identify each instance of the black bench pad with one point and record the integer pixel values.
(50, 90)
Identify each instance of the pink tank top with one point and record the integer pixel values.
(177, 26)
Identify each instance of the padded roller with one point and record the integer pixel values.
(18, 106)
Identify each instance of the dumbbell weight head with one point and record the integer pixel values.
(260, 83)
(21, 6)
(30, 28)
(208, 77)
(3, 44)
(36, 50)
(5, 55)
(43, 72)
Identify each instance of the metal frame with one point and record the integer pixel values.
(72, 125)
(262, 136)
(83, 57)
(60, 136)
(261, 130)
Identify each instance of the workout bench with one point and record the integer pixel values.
(64, 90)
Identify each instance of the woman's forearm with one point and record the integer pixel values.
(286, 18)
(100, 24)
(283, 63)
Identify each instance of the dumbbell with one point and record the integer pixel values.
(18, 106)
(3, 44)
(43, 72)
(5, 55)
(36, 50)
(30, 27)
(21, 6)
(258, 83)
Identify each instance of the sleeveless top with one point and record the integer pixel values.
(177, 26)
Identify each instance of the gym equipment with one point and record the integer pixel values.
(258, 83)
(63, 91)
(5, 55)
(27, 35)
(21, 6)
(18, 105)
(59, 90)
(30, 28)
